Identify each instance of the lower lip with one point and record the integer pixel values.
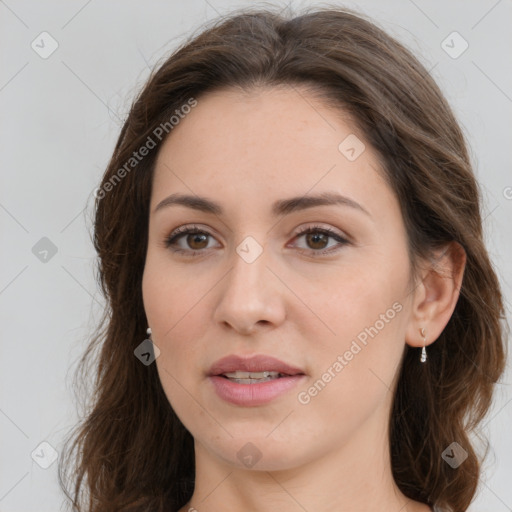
(253, 394)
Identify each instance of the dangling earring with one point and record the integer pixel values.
(423, 357)
(147, 351)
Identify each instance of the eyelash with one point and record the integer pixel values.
(190, 230)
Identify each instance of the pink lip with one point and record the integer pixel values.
(258, 363)
(253, 394)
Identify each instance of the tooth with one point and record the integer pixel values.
(238, 375)
(251, 375)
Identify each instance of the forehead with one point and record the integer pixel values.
(254, 147)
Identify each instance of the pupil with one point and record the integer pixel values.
(315, 238)
(194, 237)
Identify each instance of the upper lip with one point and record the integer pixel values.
(258, 363)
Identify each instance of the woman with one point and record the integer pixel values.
(291, 214)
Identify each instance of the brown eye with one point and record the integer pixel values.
(191, 241)
(197, 241)
(317, 240)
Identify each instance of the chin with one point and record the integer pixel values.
(260, 453)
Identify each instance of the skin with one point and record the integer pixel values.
(246, 150)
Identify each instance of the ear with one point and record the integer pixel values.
(436, 294)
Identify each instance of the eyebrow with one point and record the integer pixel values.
(279, 208)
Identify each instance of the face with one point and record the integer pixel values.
(332, 303)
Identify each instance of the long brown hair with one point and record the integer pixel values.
(132, 452)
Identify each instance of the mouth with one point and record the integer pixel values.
(257, 367)
(241, 377)
(252, 381)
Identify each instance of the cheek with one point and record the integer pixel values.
(172, 300)
(346, 302)
(354, 370)
(364, 308)
(173, 311)
(176, 307)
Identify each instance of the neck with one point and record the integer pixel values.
(355, 476)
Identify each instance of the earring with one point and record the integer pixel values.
(148, 332)
(423, 357)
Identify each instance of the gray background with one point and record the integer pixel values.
(60, 118)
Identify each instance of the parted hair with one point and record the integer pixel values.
(130, 452)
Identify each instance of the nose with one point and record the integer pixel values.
(250, 296)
